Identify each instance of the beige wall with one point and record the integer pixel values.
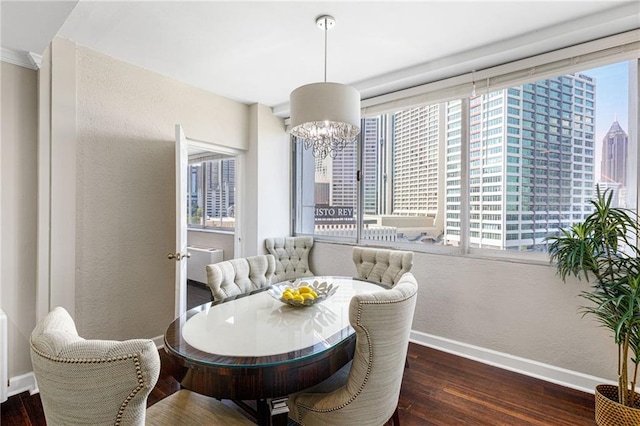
(514, 308)
(18, 190)
(126, 190)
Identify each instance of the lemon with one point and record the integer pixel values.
(315, 295)
(305, 289)
(287, 295)
(298, 298)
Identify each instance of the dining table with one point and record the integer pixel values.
(257, 347)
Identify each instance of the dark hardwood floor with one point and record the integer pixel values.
(197, 294)
(437, 389)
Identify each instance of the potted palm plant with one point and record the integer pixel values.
(603, 249)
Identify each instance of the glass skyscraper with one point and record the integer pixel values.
(415, 161)
(614, 155)
(531, 165)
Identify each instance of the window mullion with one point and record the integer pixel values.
(221, 192)
(464, 176)
(203, 189)
(359, 184)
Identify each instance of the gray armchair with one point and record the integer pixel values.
(365, 391)
(382, 265)
(104, 382)
(292, 257)
(242, 275)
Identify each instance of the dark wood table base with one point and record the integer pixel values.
(260, 382)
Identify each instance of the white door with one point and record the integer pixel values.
(180, 255)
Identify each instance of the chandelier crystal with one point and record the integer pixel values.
(325, 117)
(326, 138)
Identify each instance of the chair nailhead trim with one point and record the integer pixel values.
(366, 377)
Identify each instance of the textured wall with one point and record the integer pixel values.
(126, 190)
(18, 190)
(515, 308)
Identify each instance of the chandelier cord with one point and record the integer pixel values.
(325, 116)
(326, 30)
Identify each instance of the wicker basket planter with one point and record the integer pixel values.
(610, 413)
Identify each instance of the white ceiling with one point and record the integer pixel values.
(260, 51)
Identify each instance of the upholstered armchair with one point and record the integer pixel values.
(365, 391)
(242, 275)
(292, 257)
(382, 265)
(104, 382)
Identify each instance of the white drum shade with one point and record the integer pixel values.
(325, 117)
(325, 102)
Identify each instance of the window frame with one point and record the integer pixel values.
(620, 48)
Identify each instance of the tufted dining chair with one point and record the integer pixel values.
(106, 382)
(242, 275)
(382, 265)
(292, 257)
(365, 391)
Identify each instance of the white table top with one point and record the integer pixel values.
(259, 325)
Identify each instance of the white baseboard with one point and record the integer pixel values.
(560, 376)
(23, 383)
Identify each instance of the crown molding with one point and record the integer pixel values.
(21, 58)
(36, 60)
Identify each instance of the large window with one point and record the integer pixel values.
(501, 170)
(211, 193)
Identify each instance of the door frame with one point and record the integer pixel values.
(181, 228)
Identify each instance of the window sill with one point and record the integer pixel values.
(211, 231)
(529, 258)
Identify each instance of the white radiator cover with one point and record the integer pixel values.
(200, 258)
(4, 362)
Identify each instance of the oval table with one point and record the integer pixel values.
(255, 347)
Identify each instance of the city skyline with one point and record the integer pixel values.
(551, 129)
(613, 99)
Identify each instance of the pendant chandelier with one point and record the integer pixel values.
(325, 117)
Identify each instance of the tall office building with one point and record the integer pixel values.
(339, 173)
(322, 190)
(335, 178)
(614, 155)
(220, 187)
(371, 164)
(415, 161)
(531, 165)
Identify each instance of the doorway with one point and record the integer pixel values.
(208, 198)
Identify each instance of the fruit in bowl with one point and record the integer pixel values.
(301, 293)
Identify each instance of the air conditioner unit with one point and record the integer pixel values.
(200, 258)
